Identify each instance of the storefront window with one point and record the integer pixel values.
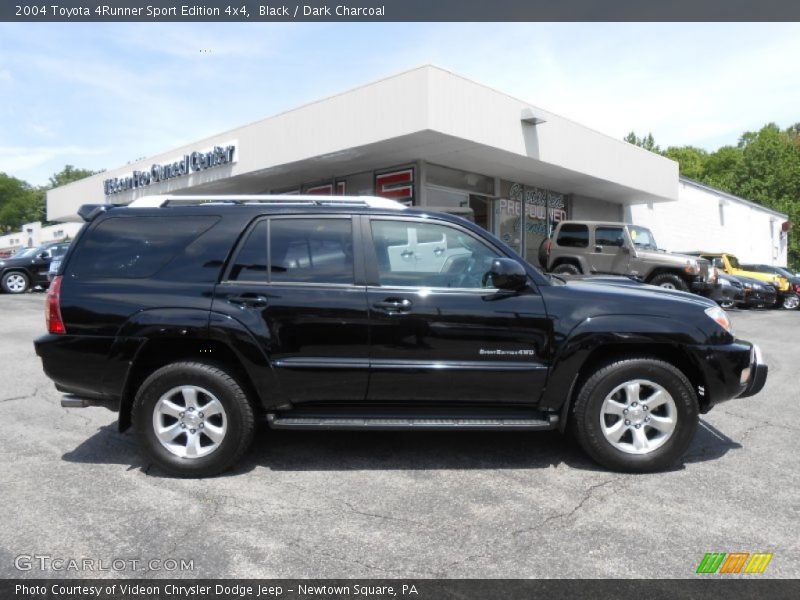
(543, 209)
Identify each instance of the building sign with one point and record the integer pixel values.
(188, 164)
(397, 185)
(542, 208)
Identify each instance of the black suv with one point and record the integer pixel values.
(193, 317)
(28, 268)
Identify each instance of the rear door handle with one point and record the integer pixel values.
(393, 305)
(249, 300)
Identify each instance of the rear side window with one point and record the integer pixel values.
(573, 236)
(135, 247)
(609, 236)
(251, 260)
(311, 251)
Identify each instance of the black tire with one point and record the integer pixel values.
(791, 302)
(566, 269)
(727, 304)
(10, 285)
(544, 254)
(587, 414)
(669, 281)
(238, 415)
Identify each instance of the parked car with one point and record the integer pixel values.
(791, 301)
(28, 268)
(594, 247)
(730, 293)
(729, 264)
(193, 317)
(758, 294)
(55, 265)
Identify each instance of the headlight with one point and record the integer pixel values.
(747, 285)
(720, 317)
(725, 283)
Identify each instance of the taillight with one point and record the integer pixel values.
(52, 310)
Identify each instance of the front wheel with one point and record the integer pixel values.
(669, 281)
(193, 419)
(566, 269)
(636, 415)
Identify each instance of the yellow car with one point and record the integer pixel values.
(730, 265)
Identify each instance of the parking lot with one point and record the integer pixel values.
(410, 504)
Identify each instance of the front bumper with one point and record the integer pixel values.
(757, 376)
(735, 370)
(705, 288)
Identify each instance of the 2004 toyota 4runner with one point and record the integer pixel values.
(194, 316)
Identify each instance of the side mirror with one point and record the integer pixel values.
(507, 274)
(42, 255)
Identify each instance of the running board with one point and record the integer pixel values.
(285, 422)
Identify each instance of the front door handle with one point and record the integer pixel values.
(249, 300)
(393, 305)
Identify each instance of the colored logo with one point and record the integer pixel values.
(734, 562)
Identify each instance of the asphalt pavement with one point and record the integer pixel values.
(405, 504)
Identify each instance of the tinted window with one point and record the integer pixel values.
(429, 255)
(573, 236)
(251, 259)
(60, 250)
(609, 236)
(134, 247)
(311, 251)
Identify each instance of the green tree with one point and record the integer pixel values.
(19, 203)
(691, 160)
(647, 142)
(69, 174)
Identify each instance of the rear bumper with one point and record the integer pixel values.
(92, 368)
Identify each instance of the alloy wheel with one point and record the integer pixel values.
(189, 421)
(15, 283)
(638, 416)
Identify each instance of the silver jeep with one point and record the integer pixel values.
(599, 247)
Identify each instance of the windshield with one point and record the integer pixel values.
(24, 252)
(642, 237)
(734, 262)
(784, 272)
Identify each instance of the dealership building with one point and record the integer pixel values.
(430, 138)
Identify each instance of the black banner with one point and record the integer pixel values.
(399, 10)
(733, 588)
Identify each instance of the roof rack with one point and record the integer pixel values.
(294, 199)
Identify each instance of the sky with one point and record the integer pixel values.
(100, 95)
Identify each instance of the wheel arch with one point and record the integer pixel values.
(226, 344)
(605, 339)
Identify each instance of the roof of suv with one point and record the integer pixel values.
(260, 200)
(596, 223)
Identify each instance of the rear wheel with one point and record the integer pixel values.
(636, 415)
(193, 419)
(566, 269)
(15, 282)
(669, 281)
(727, 303)
(791, 302)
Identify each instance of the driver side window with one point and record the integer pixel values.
(417, 254)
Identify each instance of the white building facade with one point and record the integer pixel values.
(36, 234)
(707, 219)
(426, 137)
